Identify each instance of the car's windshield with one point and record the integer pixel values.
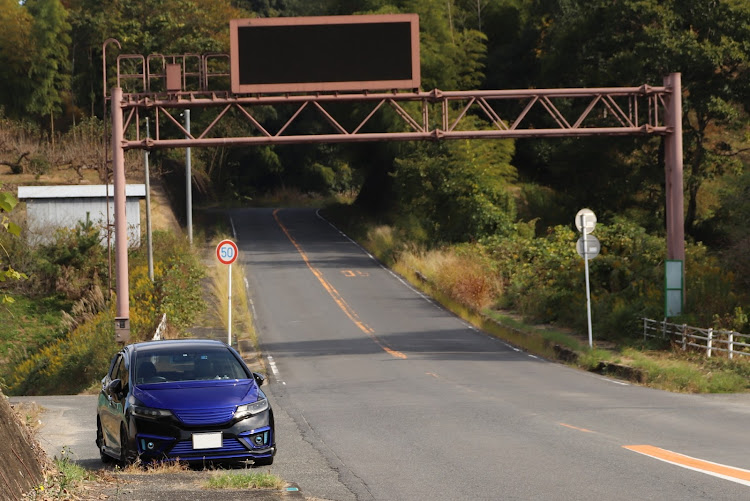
(191, 364)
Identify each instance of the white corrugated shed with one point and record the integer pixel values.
(52, 207)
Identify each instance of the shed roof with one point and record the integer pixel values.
(77, 191)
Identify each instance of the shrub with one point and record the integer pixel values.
(69, 364)
(176, 289)
(69, 265)
(382, 242)
(39, 164)
(76, 359)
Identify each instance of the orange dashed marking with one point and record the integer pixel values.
(576, 428)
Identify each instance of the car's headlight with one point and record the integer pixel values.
(247, 410)
(149, 412)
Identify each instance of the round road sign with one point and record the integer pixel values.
(592, 247)
(586, 219)
(226, 251)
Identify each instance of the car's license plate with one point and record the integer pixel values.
(207, 440)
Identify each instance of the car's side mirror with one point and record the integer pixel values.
(115, 387)
(259, 378)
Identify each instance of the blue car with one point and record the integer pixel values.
(191, 400)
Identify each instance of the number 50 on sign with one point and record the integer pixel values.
(226, 251)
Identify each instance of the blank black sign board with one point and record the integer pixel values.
(326, 53)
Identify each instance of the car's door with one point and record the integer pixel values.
(112, 409)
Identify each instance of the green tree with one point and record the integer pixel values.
(603, 43)
(144, 27)
(15, 56)
(48, 74)
(92, 22)
(458, 190)
(452, 58)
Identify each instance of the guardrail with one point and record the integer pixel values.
(160, 329)
(711, 340)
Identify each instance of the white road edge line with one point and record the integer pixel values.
(395, 275)
(274, 369)
(234, 231)
(621, 383)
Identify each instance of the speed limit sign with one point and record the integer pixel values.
(226, 251)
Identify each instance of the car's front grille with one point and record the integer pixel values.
(205, 416)
(185, 449)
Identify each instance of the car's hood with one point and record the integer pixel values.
(188, 395)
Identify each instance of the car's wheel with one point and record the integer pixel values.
(127, 455)
(106, 458)
(263, 461)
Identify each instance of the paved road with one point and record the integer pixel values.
(381, 394)
(405, 401)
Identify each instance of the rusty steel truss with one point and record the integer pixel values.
(161, 87)
(434, 115)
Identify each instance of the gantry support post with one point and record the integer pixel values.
(673, 168)
(674, 171)
(122, 316)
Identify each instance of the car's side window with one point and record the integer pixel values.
(117, 368)
(124, 372)
(113, 366)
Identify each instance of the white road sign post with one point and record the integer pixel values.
(587, 246)
(226, 251)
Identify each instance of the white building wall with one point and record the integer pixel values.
(64, 209)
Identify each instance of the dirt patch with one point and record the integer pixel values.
(162, 215)
(620, 371)
(22, 458)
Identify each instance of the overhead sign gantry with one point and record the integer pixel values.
(288, 64)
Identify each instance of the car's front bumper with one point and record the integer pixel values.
(168, 439)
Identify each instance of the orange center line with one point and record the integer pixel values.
(337, 298)
(576, 428)
(718, 470)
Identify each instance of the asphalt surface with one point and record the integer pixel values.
(380, 394)
(406, 401)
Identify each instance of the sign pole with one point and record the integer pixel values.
(588, 288)
(229, 312)
(586, 222)
(188, 182)
(226, 252)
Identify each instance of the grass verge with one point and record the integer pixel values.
(71, 474)
(245, 480)
(218, 310)
(668, 370)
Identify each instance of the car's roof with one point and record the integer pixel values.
(172, 344)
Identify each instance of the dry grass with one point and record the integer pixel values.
(293, 197)
(155, 468)
(218, 311)
(162, 215)
(463, 278)
(77, 157)
(30, 414)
